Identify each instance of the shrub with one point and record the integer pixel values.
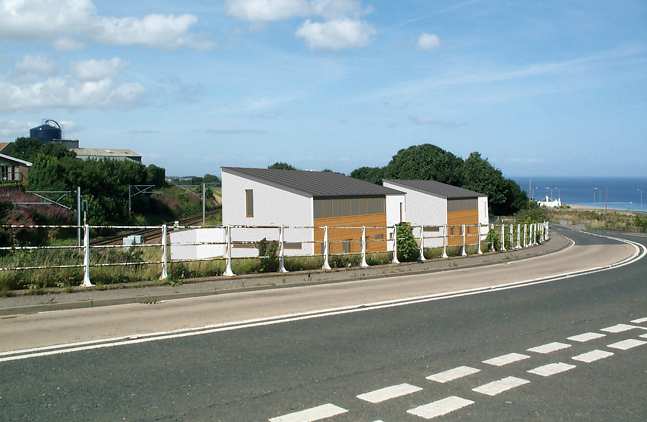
(493, 239)
(268, 250)
(408, 250)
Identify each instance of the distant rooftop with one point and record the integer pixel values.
(313, 183)
(15, 160)
(436, 188)
(107, 152)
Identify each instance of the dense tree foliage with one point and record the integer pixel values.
(28, 148)
(429, 162)
(281, 166)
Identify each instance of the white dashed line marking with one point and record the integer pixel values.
(639, 320)
(387, 393)
(452, 374)
(313, 414)
(619, 328)
(549, 347)
(497, 387)
(643, 336)
(506, 359)
(551, 369)
(440, 407)
(627, 344)
(584, 337)
(592, 356)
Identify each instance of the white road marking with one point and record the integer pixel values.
(627, 344)
(387, 393)
(643, 336)
(640, 253)
(592, 356)
(551, 369)
(452, 374)
(313, 414)
(440, 407)
(506, 359)
(639, 320)
(619, 328)
(549, 347)
(584, 337)
(497, 387)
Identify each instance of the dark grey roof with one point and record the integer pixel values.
(436, 188)
(313, 183)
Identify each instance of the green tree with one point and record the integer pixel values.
(408, 250)
(28, 148)
(369, 174)
(426, 162)
(281, 166)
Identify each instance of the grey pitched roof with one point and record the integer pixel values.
(313, 183)
(15, 160)
(436, 188)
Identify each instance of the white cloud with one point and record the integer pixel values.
(336, 34)
(67, 44)
(94, 70)
(266, 10)
(35, 65)
(64, 19)
(333, 9)
(428, 41)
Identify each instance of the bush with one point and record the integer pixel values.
(493, 239)
(408, 250)
(268, 250)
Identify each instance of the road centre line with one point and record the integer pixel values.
(584, 337)
(313, 414)
(387, 393)
(499, 386)
(549, 347)
(440, 407)
(506, 359)
(452, 374)
(626, 344)
(592, 356)
(640, 252)
(551, 369)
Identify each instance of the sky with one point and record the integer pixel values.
(556, 87)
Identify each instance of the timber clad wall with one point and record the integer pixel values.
(457, 218)
(337, 235)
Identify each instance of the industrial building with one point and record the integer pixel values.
(433, 205)
(13, 169)
(51, 131)
(106, 154)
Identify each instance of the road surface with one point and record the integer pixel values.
(574, 348)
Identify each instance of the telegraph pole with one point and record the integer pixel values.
(78, 215)
(204, 203)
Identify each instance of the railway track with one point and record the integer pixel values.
(148, 235)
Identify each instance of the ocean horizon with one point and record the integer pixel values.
(618, 193)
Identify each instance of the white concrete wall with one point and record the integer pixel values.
(272, 207)
(393, 214)
(484, 216)
(424, 210)
(179, 251)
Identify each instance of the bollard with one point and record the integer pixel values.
(363, 264)
(164, 275)
(229, 272)
(478, 241)
(326, 265)
(502, 238)
(518, 237)
(282, 249)
(464, 234)
(422, 258)
(395, 245)
(445, 240)
(86, 257)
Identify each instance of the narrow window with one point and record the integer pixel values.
(249, 203)
(346, 244)
(401, 212)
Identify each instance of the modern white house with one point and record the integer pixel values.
(433, 205)
(304, 202)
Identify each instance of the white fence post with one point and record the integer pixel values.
(395, 245)
(445, 240)
(533, 235)
(492, 245)
(525, 237)
(326, 265)
(363, 264)
(546, 235)
(502, 238)
(229, 272)
(422, 245)
(164, 275)
(511, 236)
(518, 236)
(464, 235)
(86, 257)
(282, 250)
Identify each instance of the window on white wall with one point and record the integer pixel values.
(249, 203)
(401, 212)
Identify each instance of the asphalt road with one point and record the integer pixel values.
(262, 372)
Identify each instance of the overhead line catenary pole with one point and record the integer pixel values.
(78, 216)
(204, 202)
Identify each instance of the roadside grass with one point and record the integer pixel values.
(624, 221)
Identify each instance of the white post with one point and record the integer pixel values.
(282, 250)
(540, 234)
(511, 236)
(532, 234)
(518, 236)
(464, 235)
(326, 265)
(445, 240)
(164, 275)
(86, 257)
(422, 258)
(229, 272)
(395, 245)
(479, 251)
(502, 238)
(363, 264)
(78, 216)
(547, 230)
(492, 246)
(525, 235)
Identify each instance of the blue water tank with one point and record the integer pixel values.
(49, 131)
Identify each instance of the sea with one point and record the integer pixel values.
(617, 193)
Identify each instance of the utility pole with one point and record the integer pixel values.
(78, 216)
(204, 203)
(130, 201)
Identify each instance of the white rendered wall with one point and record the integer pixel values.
(484, 217)
(272, 207)
(393, 214)
(424, 210)
(197, 251)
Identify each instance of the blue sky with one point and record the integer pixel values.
(540, 88)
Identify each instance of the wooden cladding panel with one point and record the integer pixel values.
(336, 235)
(455, 219)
